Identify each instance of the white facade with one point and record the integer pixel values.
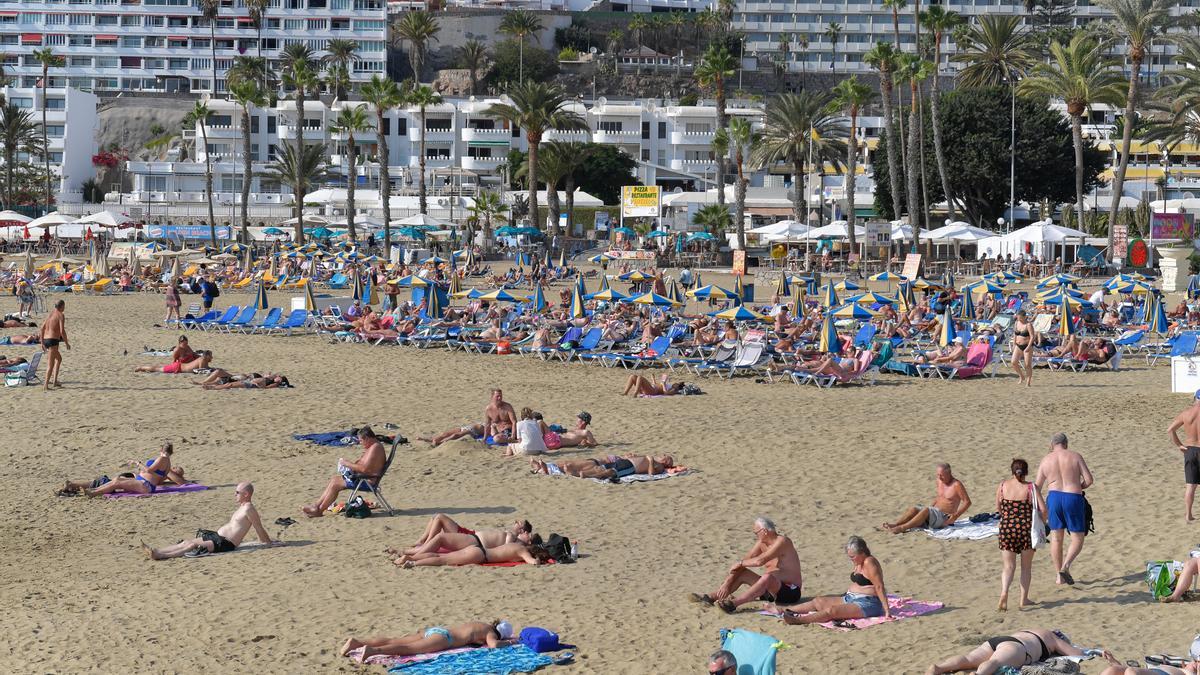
(165, 45)
(71, 126)
(670, 145)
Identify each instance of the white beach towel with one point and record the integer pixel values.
(967, 530)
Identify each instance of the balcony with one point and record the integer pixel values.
(481, 163)
(432, 134)
(692, 165)
(287, 131)
(615, 137)
(472, 134)
(692, 137)
(430, 162)
(560, 135)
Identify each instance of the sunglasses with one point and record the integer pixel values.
(722, 671)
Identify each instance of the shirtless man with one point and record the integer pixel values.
(955, 355)
(435, 639)
(606, 468)
(781, 581)
(581, 435)
(474, 431)
(227, 538)
(54, 331)
(1064, 473)
(1189, 421)
(499, 418)
(949, 503)
(368, 465)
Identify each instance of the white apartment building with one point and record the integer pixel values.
(463, 147)
(863, 23)
(71, 126)
(112, 46)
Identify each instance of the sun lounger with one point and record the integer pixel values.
(1183, 344)
(239, 285)
(296, 319)
(337, 281)
(230, 314)
(268, 322)
(651, 354)
(243, 319)
(750, 356)
(864, 368)
(979, 357)
(588, 343)
(194, 322)
(722, 354)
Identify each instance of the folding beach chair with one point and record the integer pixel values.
(364, 482)
(721, 355)
(752, 357)
(588, 343)
(25, 371)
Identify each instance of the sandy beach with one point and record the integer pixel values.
(824, 464)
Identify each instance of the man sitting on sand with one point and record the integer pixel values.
(780, 582)
(499, 418)
(227, 538)
(949, 503)
(606, 468)
(435, 639)
(368, 465)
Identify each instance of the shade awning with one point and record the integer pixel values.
(106, 37)
(9, 13)
(31, 38)
(488, 144)
(178, 37)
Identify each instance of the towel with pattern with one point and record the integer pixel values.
(966, 530)
(389, 661)
(502, 661)
(902, 608)
(162, 490)
(644, 478)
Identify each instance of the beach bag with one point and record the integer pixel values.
(1037, 527)
(1087, 510)
(539, 640)
(690, 389)
(18, 379)
(357, 508)
(1161, 576)
(559, 548)
(504, 347)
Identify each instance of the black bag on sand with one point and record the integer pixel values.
(559, 548)
(357, 508)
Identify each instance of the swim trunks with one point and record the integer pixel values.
(220, 544)
(552, 440)
(1191, 465)
(172, 368)
(787, 594)
(553, 469)
(50, 342)
(937, 519)
(621, 466)
(1068, 511)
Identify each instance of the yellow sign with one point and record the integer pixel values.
(739, 263)
(640, 201)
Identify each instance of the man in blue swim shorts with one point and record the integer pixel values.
(1064, 473)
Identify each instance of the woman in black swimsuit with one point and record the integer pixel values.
(1024, 340)
(1019, 649)
(477, 554)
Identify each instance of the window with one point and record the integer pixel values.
(437, 125)
(107, 62)
(81, 20)
(131, 41)
(609, 126)
(154, 64)
(134, 20)
(178, 64)
(154, 183)
(21, 101)
(56, 19)
(56, 158)
(107, 19)
(152, 41)
(369, 24)
(102, 83)
(387, 126)
(58, 40)
(201, 64)
(54, 130)
(662, 129)
(437, 153)
(231, 184)
(697, 128)
(178, 22)
(29, 18)
(293, 24)
(131, 62)
(368, 66)
(80, 40)
(662, 156)
(339, 24)
(646, 134)
(479, 153)
(8, 39)
(315, 24)
(645, 155)
(271, 122)
(220, 121)
(156, 21)
(56, 103)
(254, 128)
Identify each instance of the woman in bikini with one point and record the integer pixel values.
(641, 386)
(435, 639)
(1022, 648)
(1118, 668)
(1023, 342)
(152, 475)
(865, 598)
(267, 382)
(477, 554)
(448, 542)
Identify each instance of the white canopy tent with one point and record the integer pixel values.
(1042, 237)
(106, 219)
(835, 230)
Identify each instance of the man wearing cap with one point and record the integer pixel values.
(1189, 421)
(435, 639)
(1066, 476)
(581, 435)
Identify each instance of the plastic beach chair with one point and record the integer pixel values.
(244, 318)
(230, 314)
(298, 318)
(269, 322)
(371, 482)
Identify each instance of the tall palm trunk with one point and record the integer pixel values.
(894, 158)
(569, 187)
(939, 153)
(9, 158)
(553, 206)
(1077, 138)
(352, 178)
(299, 143)
(722, 122)
(1135, 66)
(385, 183)
(913, 167)
(851, 163)
(799, 183)
(208, 185)
(421, 162)
(247, 168)
(45, 136)
(739, 194)
(531, 166)
(212, 43)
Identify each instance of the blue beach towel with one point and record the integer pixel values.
(502, 661)
(755, 652)
(337, 438)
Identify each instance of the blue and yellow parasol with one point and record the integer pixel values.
(829, 296)
(260, 299)
(830, 343)
(946, 331)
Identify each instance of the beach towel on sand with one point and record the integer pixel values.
(966, 530)
(755, 652)
(502, 661)
(336, 438)
(389, 661)
(644, 478)
(902, 608)
(162, 490)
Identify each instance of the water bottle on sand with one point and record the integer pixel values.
(574, 550)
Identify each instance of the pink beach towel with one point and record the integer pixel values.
(902, 608)
(168, 490)
(389, 661)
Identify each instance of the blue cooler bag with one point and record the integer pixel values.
(539, 640)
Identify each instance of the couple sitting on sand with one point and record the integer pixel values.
(438, 638)
(183, 360)
(608, 468)
(445, 542)
(531, 435)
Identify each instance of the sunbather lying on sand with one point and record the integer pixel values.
(203, 358)
(227, 538)
(11, 321)
(149, 478)
(1118, 668)
(368, 465)
(606, 467)
(640, 386)
(517, 551)
(1019, 649)
(21, 340)
(262, 382)
(436, 639)
(441, 523)
(469, 430)
(448, 543)
(580, 436)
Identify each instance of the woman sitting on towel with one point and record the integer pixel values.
(436, 639)
(476, 554)
(1022, 648)
(156, 472)
(866, 597)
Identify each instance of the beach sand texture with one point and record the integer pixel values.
(79, 596)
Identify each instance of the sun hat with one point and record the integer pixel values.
(505, 630)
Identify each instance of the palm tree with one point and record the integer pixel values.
(252, 68)
(883, 58)
(199, 115)
(896, 6)
(785, 49)
(552, 169)
(939, 21)
(719, 147)
(1081, 75)
(637, 26)
(714, 218)
(473, 56)
(422, 97)
(1138, 23)
(340, 55)
(47, 58)
(299, 73)
(489, 207)
(19, 134)
(536, 108)
(852, 96)
(418, 28)
(742, 137)
(574, 154)
(678, 21)
(258, 14)
(247, 94)
(717, 65)
(833, 31)
(802, 43)
(914, 70)
(349, 121)
(995, 52)
(521, 23)
(795, 127)
(209, 10)
(383, 95)
(299, 171)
